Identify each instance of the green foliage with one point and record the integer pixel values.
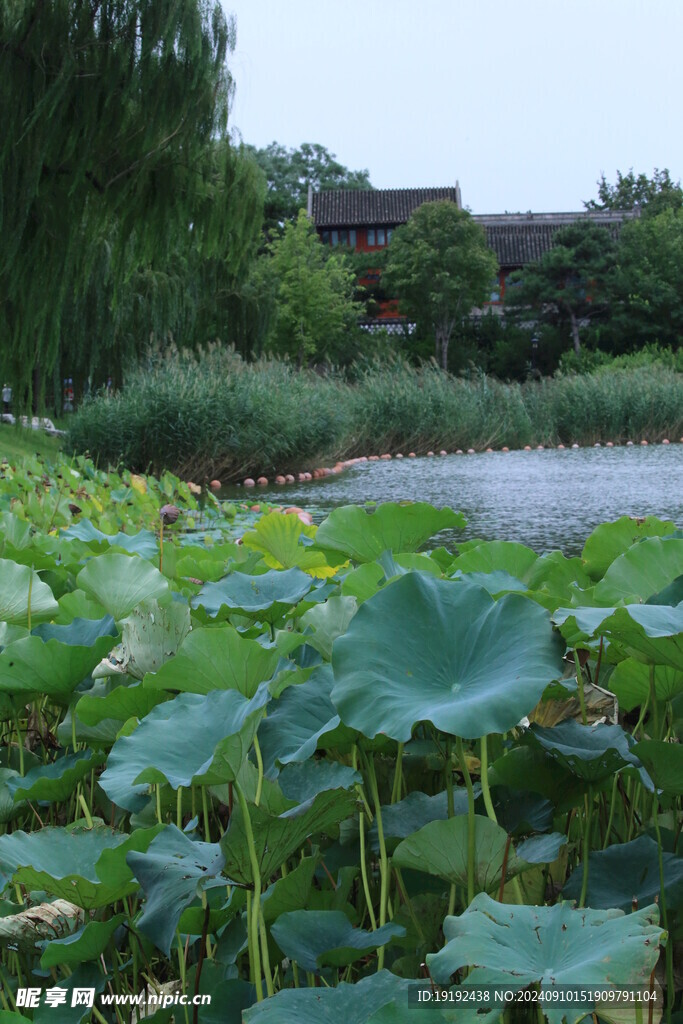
(570, 281)
(439, 267)
(330, 785)
(290, 172)
(314, 307)
(115, 143)
(652, 195)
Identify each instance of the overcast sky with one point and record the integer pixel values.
(525, 102)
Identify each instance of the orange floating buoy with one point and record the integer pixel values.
(505, 448)
(411, 455)
(430, 454)
(301, 477)
(539, 447)
(280, 480)
(666, 441)
(575, 446)
(399, 455)
(643, 442)
(442, 452)
(293, 510)
(459, 451)
(597, 445)
(527, 447)
(373, 458)
(385, 456)
(471, 451)
(560, 446)
(215, 485)
(489, 449)
(609, 444)
(262, 481)
(255, 508)
(249, 482)
(289, 479)
(629, 444)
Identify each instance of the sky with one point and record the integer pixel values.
(525, 102)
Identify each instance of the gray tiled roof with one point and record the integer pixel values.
(348, 207)
(516, 238)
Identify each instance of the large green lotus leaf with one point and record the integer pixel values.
(279, 538)
(328, 621)
(194, 739)
(630, 682)
(363, 582)
(120, 582)
(8, 808)
(664, 764)
(18, 585)
(402, 819)
(671, 594)
(326, 938)
(496, 583)
(301, 782)
(14, 531)
(9, 633)
(640, 572)
(589, 752)
(142, 543)
(298, 721)
(542, 849)
(87, 943)
(534, 769)
(57, 780)
(31, 666)
(364, 535)
(172, 872)
(76, 604)
(277, 837)
(609, 540)
(521, 946)
(650, 633)
(433, 650)
(496, 556)
(70, 863)
(267, 596)
(622, 873)
(85, 976)
(289, 892)
(79, 632)
(440, 848)
(217, 658)
(519, 812)
(352, 1004)
(117, 700)
(150, 636)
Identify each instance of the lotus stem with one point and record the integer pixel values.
(653, 701)
(383, 859)
(205, 812)
(86, 810)
(451, 813)
(254, 916)
(158, 800)
(259, 762)
(485, 791)
(398, 776)
(586, 844)
(364, 869)
(579, 681)
(471, 835)
(179, 809)
(612, 805)
(20, 742)
(669, 950)
(161, 546)
(270, 988)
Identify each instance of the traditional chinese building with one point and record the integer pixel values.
(364, 220)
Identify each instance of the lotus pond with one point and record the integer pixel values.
(311, 772)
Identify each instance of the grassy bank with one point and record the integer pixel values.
(220, 416)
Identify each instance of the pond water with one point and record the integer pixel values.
(546, 499)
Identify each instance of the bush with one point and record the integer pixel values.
(215, 415)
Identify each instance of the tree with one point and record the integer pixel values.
(313, 294)
(648, 282)
(113, 155)
(289, 172)
(652, 195)
(570, 283)
(439, 267)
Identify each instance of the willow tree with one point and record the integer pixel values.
(114, 152)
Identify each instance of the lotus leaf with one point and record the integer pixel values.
(495, 583)
(267, 596)
(87, 943)
(85, 976)
(365, 535)
(56, 780)
(172, 872)
(627, 872)
(143, 543)
(541, 849)
(213, 658)
(642, 571)
(664, 764)
(405, 817)
(440, 848)
(18, 586)
(496, 556)
(276, 837)
(150, 636)
(519, 812)
(329, 621)
(650, 633)
(432, 650)
(53, 669)
(589, 752)
(71, 864)
(609, 540)
(301, 782)
(558, 945)
(630, 682)
(279, 538)
(118, 701)
(320, 938)
(120, 582)
(79, 632)
(194, 739)
(289, 892)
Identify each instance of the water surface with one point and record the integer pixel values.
(546, 499)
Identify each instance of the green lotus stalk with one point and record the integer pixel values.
(259, 763)
(254, 916)
(653, 701)
(158, 796)
(383, 858)
(613, 802)
(205, 812)
(579, 681)
(485, 790)
(451, 813)
(586, 843)
(364, 869)
(397, 787)
(179, 809)
(86, 810)
(471, 835)
(270, 988)
(669, 951)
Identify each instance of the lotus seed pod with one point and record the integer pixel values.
(169, 514)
